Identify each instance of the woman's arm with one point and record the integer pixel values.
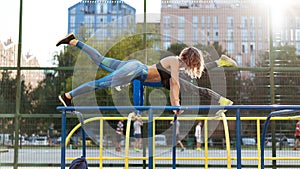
(174, 82)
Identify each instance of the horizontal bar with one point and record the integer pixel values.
(187, 107)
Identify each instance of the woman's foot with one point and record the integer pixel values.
(226, 61)
(223, 102)
(64, 100)
(66, 39)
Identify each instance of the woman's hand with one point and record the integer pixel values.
(178, 112)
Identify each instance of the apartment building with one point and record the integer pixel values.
(101, 19)
(9, 58)
(240, 27)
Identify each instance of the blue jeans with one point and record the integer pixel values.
(121, 72)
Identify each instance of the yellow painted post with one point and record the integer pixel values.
(206, 142)
(227, 140)
(101, 144)
(258, 143)
(127, 140)
(153, 143)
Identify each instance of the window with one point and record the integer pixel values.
(252, 61)
(297, 35)
(167, 22)
(230, 35)
(252, 48)
(244, 22)
(181, 36)
(230, 22)
(195, 21)
(230, 48)
(195, 35)
(215, 20)
(244, 35)
(181, 22)
(167, 36)
(216, 35)
(244, 47)
(208, 22)
(202, 22)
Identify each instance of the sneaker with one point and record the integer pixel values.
(198, 149)
(64, 100)
(225, 102)
(182, 149)
(226, 61)
(66, 39)
(295, 149)
(137, 150)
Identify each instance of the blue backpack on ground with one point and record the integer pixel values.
(80, 163)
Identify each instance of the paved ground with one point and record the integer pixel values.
(52, 156)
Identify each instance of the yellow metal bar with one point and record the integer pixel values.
(206, 142)
(153, 144)
(127, 140)
(101, 144)
(227, 139)
(258, 143)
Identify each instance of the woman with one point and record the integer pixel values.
(163, 74)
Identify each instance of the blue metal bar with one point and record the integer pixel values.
(174, 142)
(192, 107)
(137, 94)
(83, 134)
(238, 140)
(263, 137)
(63, 140)
(150, 138)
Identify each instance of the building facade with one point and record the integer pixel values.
(101, 19)
(9, 58)
(240, 27)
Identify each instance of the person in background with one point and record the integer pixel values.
(198, 131)
(297, 135)
(50, 133)
(120, 134)
(177, 135)
(138, 123)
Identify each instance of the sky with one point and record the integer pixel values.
(45, 22)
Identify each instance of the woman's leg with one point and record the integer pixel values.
(208, 93)
(107, 64)
(123, 75)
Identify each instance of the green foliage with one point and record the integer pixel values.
(8, 89)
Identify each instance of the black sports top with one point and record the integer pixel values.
(165, 75)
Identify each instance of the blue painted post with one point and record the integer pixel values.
(150, 138)
(238, 140)
(138, 93)
(63, 140)
(174, 142)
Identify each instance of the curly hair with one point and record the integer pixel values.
(193, 58)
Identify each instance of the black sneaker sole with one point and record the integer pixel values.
(62, 101)
(66, 38)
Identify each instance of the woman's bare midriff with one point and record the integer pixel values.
(153, 75)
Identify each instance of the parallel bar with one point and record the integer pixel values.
(262, 141)
(150, 138)
(192, 107)
(63, 140)
(238, 139)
